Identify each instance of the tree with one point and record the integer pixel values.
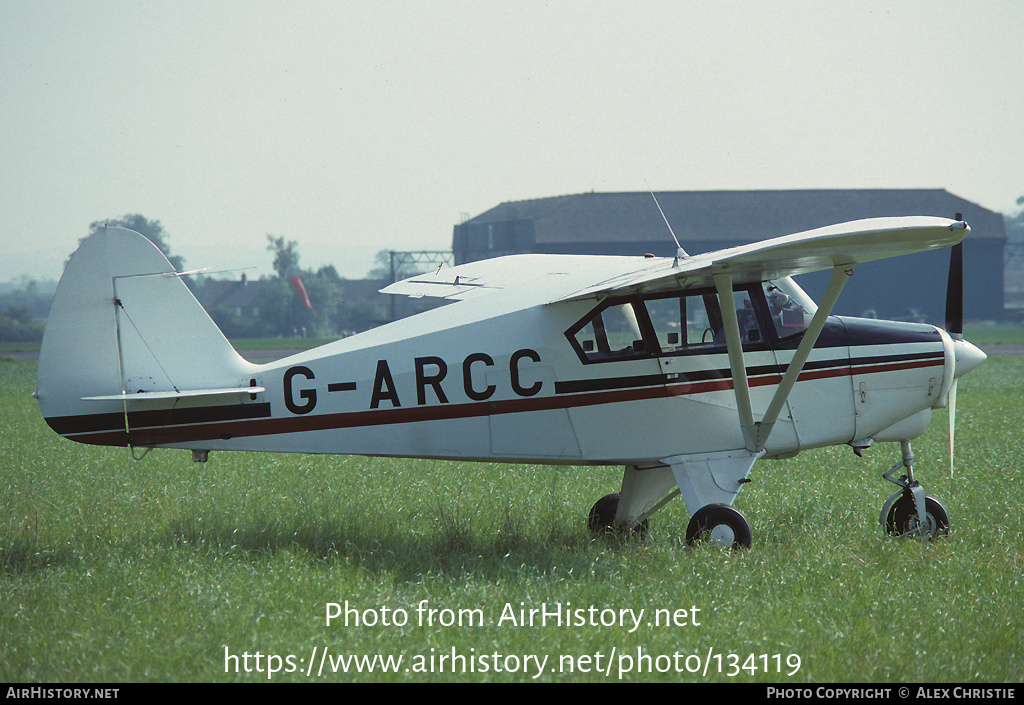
(1015, 223)
(286, 256)
(150, 229)
(19, 325)
(281, 309)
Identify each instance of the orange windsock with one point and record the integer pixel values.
(301, 291)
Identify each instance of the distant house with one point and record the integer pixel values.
(362, 306)
(239, 295)
(630, 224)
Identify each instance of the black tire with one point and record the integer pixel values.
(890, 519)
(602, 517)
(903, 520)
(719, 524)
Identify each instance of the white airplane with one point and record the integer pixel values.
(684, 370)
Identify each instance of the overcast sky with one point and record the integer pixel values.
(352, 127)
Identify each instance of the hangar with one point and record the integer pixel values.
(629, 223)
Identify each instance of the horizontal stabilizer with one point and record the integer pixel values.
(173, 394)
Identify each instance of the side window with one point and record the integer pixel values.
(663, 325)
(694, 322)
(611, 333)
(684, 323)
(750, 332)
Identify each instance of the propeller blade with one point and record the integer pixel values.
(955, 328)
(955, 292)
(952, 430)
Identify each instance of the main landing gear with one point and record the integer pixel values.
(602, 517)
(911, 512)
(908, 512)
(718, 524)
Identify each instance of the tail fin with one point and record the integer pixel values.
(124, 330)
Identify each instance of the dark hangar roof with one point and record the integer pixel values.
(726, 217)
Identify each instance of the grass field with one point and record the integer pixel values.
(113, 570)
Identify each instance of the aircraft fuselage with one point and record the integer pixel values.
(463, 383)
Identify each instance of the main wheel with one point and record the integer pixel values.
(602, 516)
(721, 525)
(903, 519)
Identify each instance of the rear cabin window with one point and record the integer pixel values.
(610, 333)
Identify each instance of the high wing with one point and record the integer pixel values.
(567, 277)
(845, 245)
(554, 278)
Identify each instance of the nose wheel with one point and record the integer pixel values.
(902, 518)
(910, 512)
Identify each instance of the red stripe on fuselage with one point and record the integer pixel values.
(227, 430)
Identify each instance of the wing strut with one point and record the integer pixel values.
(755, 434)
(734, 345)
(840, 275)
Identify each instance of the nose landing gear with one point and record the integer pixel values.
(911, 512)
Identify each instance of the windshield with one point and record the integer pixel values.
(791, 308)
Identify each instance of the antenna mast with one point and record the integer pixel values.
(680, 252)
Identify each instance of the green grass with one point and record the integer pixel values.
(994, 333)
(113, 570)
(279, 343)
(7, 347)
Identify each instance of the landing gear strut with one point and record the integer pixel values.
(911, 512)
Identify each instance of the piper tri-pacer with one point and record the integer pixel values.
(685, 370)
